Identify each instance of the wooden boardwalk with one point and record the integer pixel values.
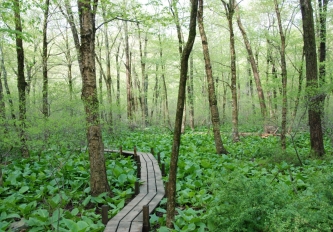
(130, 218)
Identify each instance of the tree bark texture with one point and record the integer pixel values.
(313, 96)
(171, 204)
(255, 70)
(214, 112)
(21, 83)
(283, 76)
(44, 61)
(230, 10)
(190, 94)
(98, 178)
(128, 76)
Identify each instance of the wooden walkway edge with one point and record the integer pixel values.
(131, 217)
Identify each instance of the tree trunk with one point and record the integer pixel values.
(2, 102)
(284, 77)
(4, 78)
(144, 77)
(128, 76)
(165, 92)
(44, 61)
(190, 94)
(230, 10)
(98, 178)
(313, 96)
(255, 70)
(215, 117)
(171, 204)
(21, 84)
(118, 82)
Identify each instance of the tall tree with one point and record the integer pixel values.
(44, 60)
(171, 204)
(230, 11)
(144, 76)
(254, 67)
(314, 98)
(322, 36)
(190, 94)
(85, 48)
(128, 75)
(214, 112)
(283, 75)
(174, 11)
(21, 83)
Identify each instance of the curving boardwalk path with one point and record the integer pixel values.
(130, 218)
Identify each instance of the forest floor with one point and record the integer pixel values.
(257, 186)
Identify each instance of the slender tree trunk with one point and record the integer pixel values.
(165, 92)
(128, 76)
(284, 77)
(255, 70)
(2, 102)
(251, 88)
(4, 77)
(313, 96)
(118, 82)
(144, 77)
(44, 61)
(190, 94)
(171, 204)
(69, 62)
(98, 178)
(21, 84)
(174, 10)
(215, 117)
(230, 10)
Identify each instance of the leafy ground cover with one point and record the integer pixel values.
(50, 192)
(257, 187)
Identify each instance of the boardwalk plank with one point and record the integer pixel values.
(130, 218)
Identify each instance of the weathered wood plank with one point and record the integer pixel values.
(151, 193)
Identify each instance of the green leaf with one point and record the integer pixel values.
(163, 229)
(205, 163)
(23, 189)
(82, 225)
(75, 211)
(71, 225)
(86, 201)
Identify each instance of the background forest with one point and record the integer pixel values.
(259, 70)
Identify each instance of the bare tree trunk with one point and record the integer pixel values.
(255, 70)
(174, 10)
(2, 102)
(4, 77)
(284, 78)
(44, 61)
(215, 117)
(165, 92)
(98, 178)
(21, 84)
(128, 76)
(118, 81)
(313, 95)
(171, 204)
(190, 94)
(144, 77)
(230, 10)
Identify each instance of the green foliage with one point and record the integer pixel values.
(257, 187)
(52, 191)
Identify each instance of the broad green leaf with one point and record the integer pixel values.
(82, 225)
(23, 189)
(71, 225)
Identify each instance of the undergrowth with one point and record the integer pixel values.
(257, 187)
